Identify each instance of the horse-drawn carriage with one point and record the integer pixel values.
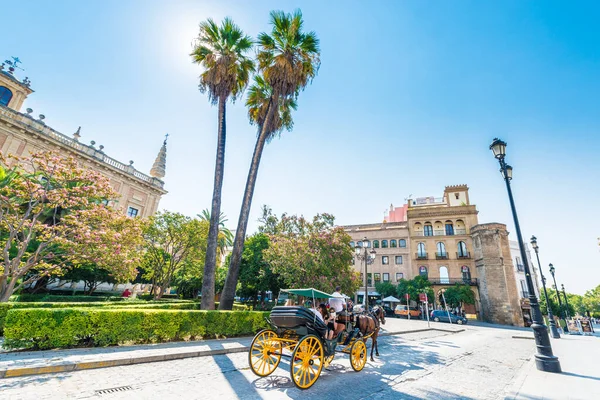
(299, 335)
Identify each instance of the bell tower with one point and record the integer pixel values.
(13, 91)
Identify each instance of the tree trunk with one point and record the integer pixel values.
(228, 293)
(210, 262)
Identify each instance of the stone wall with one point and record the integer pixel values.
(498, 290)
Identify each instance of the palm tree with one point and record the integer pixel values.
(221, 50)
(288, 60)
(225, 237)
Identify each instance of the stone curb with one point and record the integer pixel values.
(80, 366)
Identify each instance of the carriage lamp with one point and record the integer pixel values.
(545, 360)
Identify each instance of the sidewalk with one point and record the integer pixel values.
(43, 362)
(579, 380)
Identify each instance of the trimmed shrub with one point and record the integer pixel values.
(47, 328)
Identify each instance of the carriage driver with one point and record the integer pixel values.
(337, 305)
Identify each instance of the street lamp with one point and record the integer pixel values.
(553, 330)
(566, 301)
(368, 258)
(560, 306)
(544, 359)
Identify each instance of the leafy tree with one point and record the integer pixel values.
(414, 287)
(312, 254)
(591, 301)
(385, 289)
(256, 275)
(171, 240)
(91, 275)
(459, 294)
(288, 60)
(52, 217)
(222, 52)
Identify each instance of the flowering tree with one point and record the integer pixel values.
(52, 218)
(310, 253)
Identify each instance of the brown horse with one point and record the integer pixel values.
(371, 323)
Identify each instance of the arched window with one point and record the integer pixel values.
(423, 271)
(462, 250)
(375, 244)
(402, 243)
(384, 244)
(352, 244)
(449, 228)
(466, 273)
(393, 243)
(5, 95)
(444, 275)
(428, 229)
(421, 253)
(441, 250)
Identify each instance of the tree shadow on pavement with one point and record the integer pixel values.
(237, 381)
(397, 357)
(22, 381)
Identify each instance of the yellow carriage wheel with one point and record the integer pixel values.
(358, 355)
(265, 353)
(307, 362)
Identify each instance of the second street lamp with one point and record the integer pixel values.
(368, 258)
(560, 306)
(544, 359)
(562, 286)
(553, 330)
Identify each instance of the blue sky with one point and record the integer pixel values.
(407, 100)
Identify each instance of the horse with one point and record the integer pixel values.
(370, 324)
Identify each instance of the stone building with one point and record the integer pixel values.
(497, 285)
(519, 272)
(426, 236)
(442, 240)
(392, 262)
(23, 133)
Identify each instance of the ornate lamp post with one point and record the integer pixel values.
(553, 330)
(544, 359)
(562, 286)
(363, 254)
(560, 306)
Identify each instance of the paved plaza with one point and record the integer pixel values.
(479, 362)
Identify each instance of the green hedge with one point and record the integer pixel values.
(129, 304)
(47, 328)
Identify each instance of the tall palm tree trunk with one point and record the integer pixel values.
(228, 294)
(210, 262)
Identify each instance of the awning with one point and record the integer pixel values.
(310, 292)
(370, 293)
(391, 299)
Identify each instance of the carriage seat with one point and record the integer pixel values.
(292, 317)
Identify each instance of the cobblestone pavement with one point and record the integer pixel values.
(479, 363)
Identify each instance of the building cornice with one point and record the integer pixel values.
(442, 212)
(25, 124)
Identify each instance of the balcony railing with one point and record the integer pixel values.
(524, 295)
(441, 256)
(421, 256)
(441, 232)
(463, 256)
(43, 129)
(453, 281)
(520, 267)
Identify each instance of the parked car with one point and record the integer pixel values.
(389, 312)
(402, 311)
(442, 316)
